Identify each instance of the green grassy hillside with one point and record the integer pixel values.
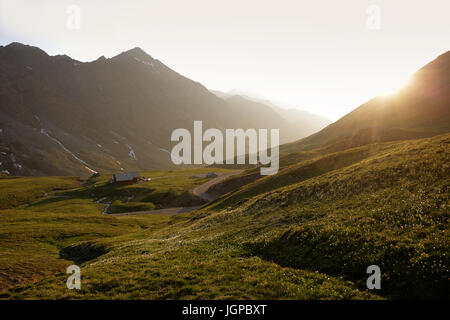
(43, 216)
(385, 204)
(16, 191)
(390, 209)
(313, 164)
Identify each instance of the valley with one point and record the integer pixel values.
(311, 239)
(111, 115)
(370, 189)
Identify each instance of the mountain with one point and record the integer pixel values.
(294, 123)
(368, 190)
(372, 188)
(299, 122)
(60, 116)
(295, 117)
(419, 110)
(382, 203)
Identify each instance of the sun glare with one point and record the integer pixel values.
(394, 85)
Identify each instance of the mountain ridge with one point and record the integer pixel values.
(420, 110)
(429, 86)
(112, 113)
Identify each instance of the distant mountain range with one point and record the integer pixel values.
(300, 122)
(60, 116)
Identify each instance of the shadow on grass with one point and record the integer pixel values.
(49, 200)
(83, 252)
(401, 279)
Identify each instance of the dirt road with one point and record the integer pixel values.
(200, 191)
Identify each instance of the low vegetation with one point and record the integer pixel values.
(42, 216)
(16, 191)
(165, 189)
(312, 237)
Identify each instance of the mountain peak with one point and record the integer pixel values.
(20, 47)
(15, 44)
(136, 50)
(101, 58)
(137, 53)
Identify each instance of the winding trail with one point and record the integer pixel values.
(199, 191)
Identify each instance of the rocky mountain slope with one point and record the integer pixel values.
(59, 116)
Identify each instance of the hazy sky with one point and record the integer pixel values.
(326, 57)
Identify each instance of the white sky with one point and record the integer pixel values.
(317, 55)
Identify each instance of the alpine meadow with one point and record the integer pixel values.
(122, 179)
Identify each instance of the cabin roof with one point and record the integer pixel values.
(125, 176)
